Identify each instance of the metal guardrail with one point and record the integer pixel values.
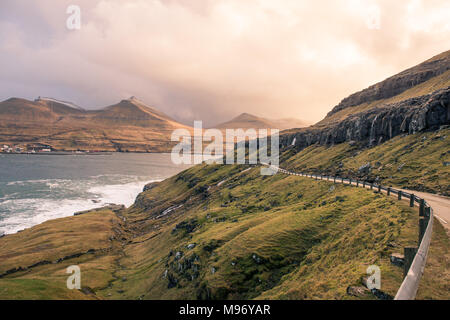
(410, 284)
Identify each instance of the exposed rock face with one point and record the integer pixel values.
(150, 186)
(398, 83)
(397, 259)
(380, 123)
(360, 292)
(365, 169)
(113, 207)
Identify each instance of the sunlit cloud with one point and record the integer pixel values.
(212, 60)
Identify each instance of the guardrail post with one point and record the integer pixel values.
(357, 183)
(379, 188)
(371, 186)
(364, 184)
(409, 253)
(427, 212)
(411, 200)
(423, 223)
(389, 191)
(349, 181)
(399, 195)
(422, 208)
(334, 179)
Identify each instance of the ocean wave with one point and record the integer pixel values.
(32, 211)
(42, 181)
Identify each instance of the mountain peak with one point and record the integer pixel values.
(246, 116)
(247, 120)
(61, 102)
(134, 99)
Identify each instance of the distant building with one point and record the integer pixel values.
(6, 148)
(39, 147)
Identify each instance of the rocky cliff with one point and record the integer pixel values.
(398, 83)
(384, 110)
(380, 123)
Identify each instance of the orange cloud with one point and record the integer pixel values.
(211, 60)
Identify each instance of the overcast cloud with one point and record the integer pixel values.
(212, 60)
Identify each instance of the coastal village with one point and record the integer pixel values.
(43, 148)
(26, 148)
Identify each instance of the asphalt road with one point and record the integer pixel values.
(440, 204)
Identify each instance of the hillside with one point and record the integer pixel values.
(128, 125)
(248, 121)
(227, 232)
(222, 231)
(412, 101)
(229, 226)
(420, 75)
(417, 162)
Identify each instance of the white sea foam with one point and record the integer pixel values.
(30, 212)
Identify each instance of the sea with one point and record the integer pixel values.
(36, 188)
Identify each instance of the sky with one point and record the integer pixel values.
(211, 60)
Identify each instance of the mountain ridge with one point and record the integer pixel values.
(127, 125)
(247, 120)
(361, 119)
(398, 83)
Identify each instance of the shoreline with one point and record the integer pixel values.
(80, 153)
(78, 213)
(107, 193)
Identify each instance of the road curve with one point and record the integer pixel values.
(440, 204)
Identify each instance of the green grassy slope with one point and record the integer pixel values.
(255, 237)
(414, 161)
(260, 237)
(91, 241)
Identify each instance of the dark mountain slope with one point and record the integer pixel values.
(418, 101)
(127, 125)
(398, 83)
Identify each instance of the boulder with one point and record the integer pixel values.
(256, 258)
(150, 186)
(365, 169)
(178, 255)
(397, 259)
(87, 290)
(357, 291)
(113, 207)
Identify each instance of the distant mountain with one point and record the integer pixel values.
(128, 125)
(247, 121)
(60, 102)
